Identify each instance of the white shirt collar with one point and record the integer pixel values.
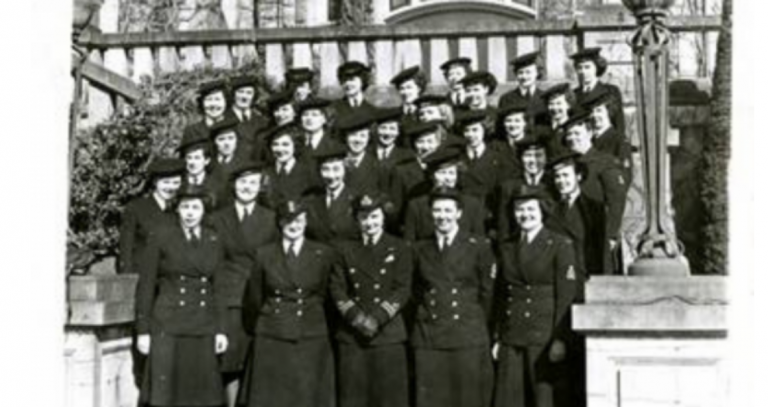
(356, 101)
(314, 139)
(196, 179)
(531, 235)
(571, 198)
(451, 236)
(288, 165)
(196, 230)
(476, 152)
(297, 244)
(160, 201)
(384, 152)
(373, 240)
(333, 194)
(536, 178)
(241, 209)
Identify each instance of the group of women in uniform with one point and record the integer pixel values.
(337, 253)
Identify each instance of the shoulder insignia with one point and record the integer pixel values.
(494, 271)
(571, 273)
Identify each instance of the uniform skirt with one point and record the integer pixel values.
(182, 371)
(286, 373)
(374, 376)
(525, 377)
(454, 377)
(233, 360)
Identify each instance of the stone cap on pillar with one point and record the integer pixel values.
(653, 306)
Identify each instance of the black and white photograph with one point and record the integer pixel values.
(398, 203)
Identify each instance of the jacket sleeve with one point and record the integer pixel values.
(220, 294)
(618, 109)
(568, 281)
(614, 185)
(411, 221)
(147, 285)
(401, 287)
(128, 228)
(502, 214)
(253, 296)
(487, 270)
(339, 288)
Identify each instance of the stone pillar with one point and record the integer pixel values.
(653, 341)
(97, 350)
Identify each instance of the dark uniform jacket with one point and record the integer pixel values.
(341, 108)
(368, 177)
(178, 289)
(453, 293)
(605, 183)
(505, 223)
(537, 284)
(223, 173)
(215, 184)
(240, 240)
(509, 159)
(537, 107)
(284, 298)
(616, 111)
(302, 177)
(405, 178)
(250, 128)
(398, 155)
(584, 224)
(614, 143)
(420, 225)
(336, 222)
(377, 281)
(141, 218)
(481, 176)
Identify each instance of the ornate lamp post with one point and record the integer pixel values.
(659, 252)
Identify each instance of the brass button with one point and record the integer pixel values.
(278, 299)
(203, 291)
(432, 303)
(182, 303)
(204, 279)
(433, 291)
(434, 316)
(528, 288)
(455, 291)
(277, 310)
(183, 278)
(183, 290)
(357, 299)
(357, 285)
(454, 304)
(509, 287)
(300, 301)
(376, 300)
(455, 316)
(202, 303)
(527, 314)
(277, 292)
(376, 286)
(299, 313)
(509, 312)
(351, 271)
(383, 271)
(528, 300)
(299, 290)
(509, 299)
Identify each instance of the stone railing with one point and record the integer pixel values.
(388, 49)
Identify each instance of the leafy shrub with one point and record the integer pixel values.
(110, 161)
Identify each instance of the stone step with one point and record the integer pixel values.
(695, 290)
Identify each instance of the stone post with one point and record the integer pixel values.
(658, 251)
